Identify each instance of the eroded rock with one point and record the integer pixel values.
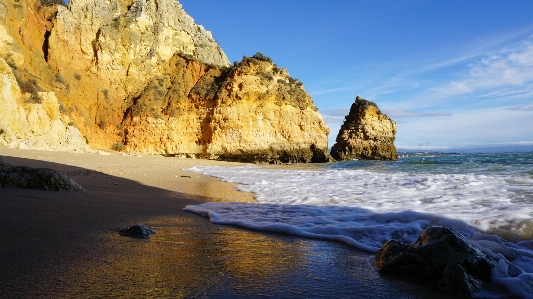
(442, 257)
(35, 178)
(250, 112)
(366, 134)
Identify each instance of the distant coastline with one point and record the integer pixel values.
(489, 148)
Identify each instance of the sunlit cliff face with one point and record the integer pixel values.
(141, 76)
(366, 134)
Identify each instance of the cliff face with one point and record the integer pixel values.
(29, 118)
(141, 76)
(366, 134)
(128, 41)
(252, 111)
(110, 51)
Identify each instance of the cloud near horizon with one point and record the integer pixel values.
(521, 108)
(337, 115)
(473, 127)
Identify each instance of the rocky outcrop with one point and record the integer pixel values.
(35, 178)
(250, 112)
(366, 134)
(441, 256)
(141, 76)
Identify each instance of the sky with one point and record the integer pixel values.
(451, 74)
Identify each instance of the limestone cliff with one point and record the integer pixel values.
(29, 118)
(141, 76)
(252, 111)
(366, 134)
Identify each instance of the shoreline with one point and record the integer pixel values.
(66, 244)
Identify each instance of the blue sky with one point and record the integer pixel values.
(452, 74)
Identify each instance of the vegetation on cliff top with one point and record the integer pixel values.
(291, 90)
(363, 104)
(260, 56)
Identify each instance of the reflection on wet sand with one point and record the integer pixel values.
(177, 262)
(226, 262)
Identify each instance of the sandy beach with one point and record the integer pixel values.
(66, 244)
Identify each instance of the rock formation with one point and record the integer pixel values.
(35, 178)
(141, 76)
(252, 112)
(441, 256)
(366, 134)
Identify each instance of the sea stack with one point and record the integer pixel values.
(366, 134)
(139, 76)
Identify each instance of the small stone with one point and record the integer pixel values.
(137, 231)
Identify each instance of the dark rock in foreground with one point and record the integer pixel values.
(35, 178)
(137, 231)
(366, 134)
(442, 257)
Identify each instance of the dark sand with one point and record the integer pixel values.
(66, 244)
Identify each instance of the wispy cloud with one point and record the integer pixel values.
(332, 90)
(478, 48)
(510, 67)
(521, 108)
(489, 72)
(334, 115)
(403, 113)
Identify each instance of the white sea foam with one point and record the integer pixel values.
(367, 208)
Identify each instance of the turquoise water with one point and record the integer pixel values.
(488, 164)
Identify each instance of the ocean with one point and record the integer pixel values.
(486, 197)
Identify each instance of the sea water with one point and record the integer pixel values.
(486, 197)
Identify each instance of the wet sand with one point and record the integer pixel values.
(66, 244)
